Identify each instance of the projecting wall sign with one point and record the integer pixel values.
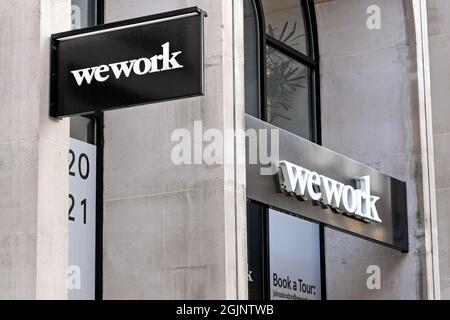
(133, 62)
(339, 192)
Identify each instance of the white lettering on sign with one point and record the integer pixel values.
(139, 67)
(309, 185)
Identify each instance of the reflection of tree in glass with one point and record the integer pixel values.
(283, 76)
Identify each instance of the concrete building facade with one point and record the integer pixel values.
(170, 231)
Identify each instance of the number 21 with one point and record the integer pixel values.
(72, 205)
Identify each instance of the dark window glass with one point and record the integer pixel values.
(83, 13)
(287, 96)
(287, 82)
(256, 242)
(251, 60)
(83, 129)
(285, 21)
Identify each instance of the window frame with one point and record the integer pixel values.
(97, 15)
(311, 61)
(99, 143)
(263, 210)
(100, 124)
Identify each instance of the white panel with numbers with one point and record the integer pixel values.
(82, 209)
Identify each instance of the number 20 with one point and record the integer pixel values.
(83, 156)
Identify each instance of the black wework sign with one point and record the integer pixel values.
(329, 188)
(127, 63)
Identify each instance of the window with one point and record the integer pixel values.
(85, 13)
(282, 88)
(82, 208)
(281, 245)
(281, 65)
(83, 129)
(85, 184)
(294, 257)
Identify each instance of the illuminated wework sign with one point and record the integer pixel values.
(128, 63)
(326, 187)
(309, 185)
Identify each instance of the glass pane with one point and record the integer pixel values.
(83, 13)
(287, 93)
(82, 213)
(83, 129)
(285, 21)
(251, 64)
(82, 220)
(255, 251)
(294, 254)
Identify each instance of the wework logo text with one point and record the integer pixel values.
(157, 63)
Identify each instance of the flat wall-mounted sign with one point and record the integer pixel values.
(82, 220)
(340, 192)
(133, 62)
(294, 258)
